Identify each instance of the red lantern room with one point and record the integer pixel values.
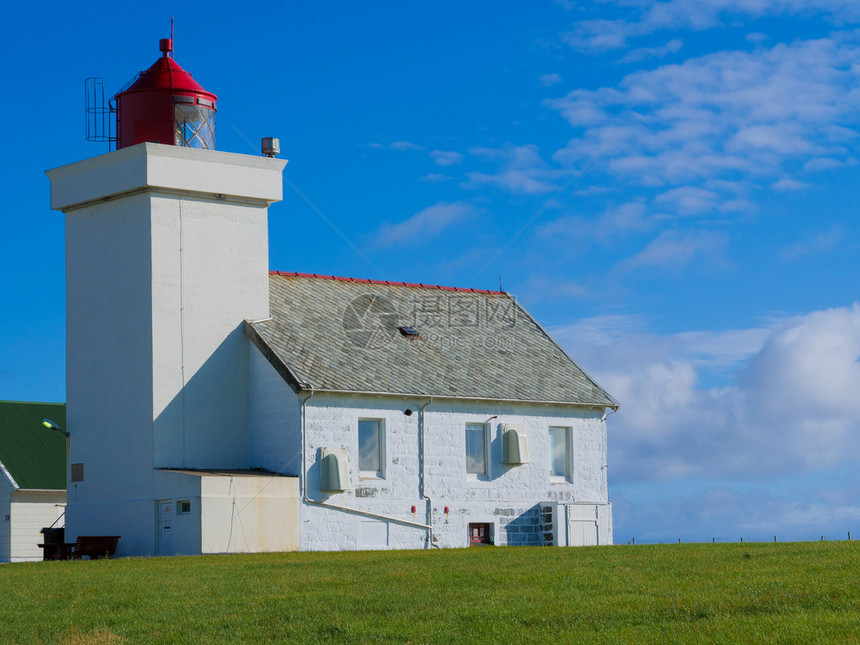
(165, 105)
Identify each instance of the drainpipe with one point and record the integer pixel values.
(325, 504)
(303, 414)
(605, 449)
(422, 437)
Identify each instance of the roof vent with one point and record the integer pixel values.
(410, 332)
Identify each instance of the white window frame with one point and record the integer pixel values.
(568, 455)
(372, 474)
(484, 476)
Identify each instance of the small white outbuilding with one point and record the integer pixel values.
(32, 477)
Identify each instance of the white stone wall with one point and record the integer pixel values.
(173, 486)
(109, 369)
(274, 434)
(31, 511)
(230, 512)
(209, 273)
(248, 514)
(509, 499)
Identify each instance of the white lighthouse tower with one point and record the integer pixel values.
(166, 256)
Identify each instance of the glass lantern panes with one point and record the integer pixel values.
(195, 126)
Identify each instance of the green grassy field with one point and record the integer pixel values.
(690, 593)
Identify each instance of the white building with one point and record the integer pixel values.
(419, 415)
(32, 477)
(215, 407)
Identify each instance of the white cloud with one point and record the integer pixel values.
(677, 249)
(711, 350)
(782, 138)
(446, 157)
(521, 170)
(512, 181)
(689, 200)
(644, 53)
(820, 243)
(404, 145)
(790, 404)
(607, 226)
(786, 184)
(600, 34)
(526, 156)
(435, 177)
(396, 145)
(821, 164)
(425, 224)
(740, 116)
(600, 330)
(729, 513)
(541, 287)
(550, 79)
(723, 349)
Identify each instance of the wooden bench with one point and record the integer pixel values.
(94, 546)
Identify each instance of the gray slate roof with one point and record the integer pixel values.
(341, 334)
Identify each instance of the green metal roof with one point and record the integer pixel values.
(34, 455)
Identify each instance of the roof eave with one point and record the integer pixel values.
(453, 397)
(282, 367)
(615, 404)
(11, 479)
(42, 490)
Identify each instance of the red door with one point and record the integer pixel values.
(479, 534)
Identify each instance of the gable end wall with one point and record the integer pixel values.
(509, 499)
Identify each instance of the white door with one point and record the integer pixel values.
(165, 527)
(582, 525)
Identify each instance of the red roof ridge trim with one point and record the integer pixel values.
(388, 283)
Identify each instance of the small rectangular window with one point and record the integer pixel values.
(183, 507)
(77, 472)
(559, 452)
(370, 447)
(476, 448)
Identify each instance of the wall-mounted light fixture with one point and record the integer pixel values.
(50, 425)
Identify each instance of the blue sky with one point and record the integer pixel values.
(669, 187)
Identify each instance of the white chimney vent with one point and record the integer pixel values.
(271, 147)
